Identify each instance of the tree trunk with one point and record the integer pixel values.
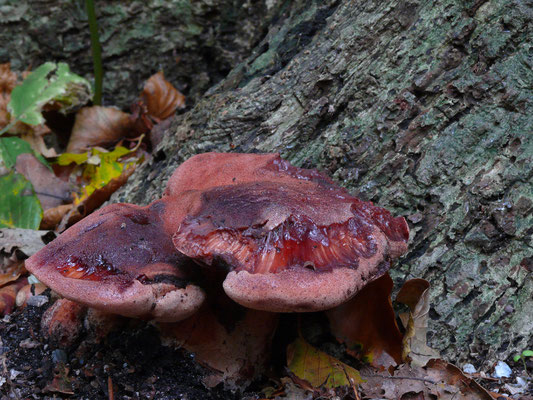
(196, 43)
(422, 107)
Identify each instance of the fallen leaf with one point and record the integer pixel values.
(160, 97)
(12, 147)
(11, 272)
(8, 78)
(99, 126)
(36, 140)
(50, 190)
(19, 206)
(47, 83)
(27, 241)
(442, 371)
(8, 295)
(89, 203)
(53, 216)
(415, 294)
(234, 345)
(318, 368)
(367, 324)
(437, 380)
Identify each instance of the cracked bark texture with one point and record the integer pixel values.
(422, 107)
(196, 43)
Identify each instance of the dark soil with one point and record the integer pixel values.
(131, 360)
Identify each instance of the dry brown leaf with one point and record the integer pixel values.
(53, 216)
(12, 272)
(8, 294)
(26, 241)
(160, 97)
(415, 294)
(367, 324)
(233, 344)
(5, 117)
(437, 380)
(50, 190)
(98, 126)
(8, 79)
(440, 370)
(36, 141)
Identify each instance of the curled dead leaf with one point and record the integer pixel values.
(98, 126)
(160, 97)
(415, 294)
(8, 79)
(53, 216)
(367, 324)
(8, 295)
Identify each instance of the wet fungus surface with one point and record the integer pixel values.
(121, 260)
(292, 239)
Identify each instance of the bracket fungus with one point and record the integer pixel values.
(121, 260)
(278, 238)
(293, 240)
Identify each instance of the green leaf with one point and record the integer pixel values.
(19, 206)
(11, 147)
(516, 358)
(39, 88)
(319, 368)
(527, 353)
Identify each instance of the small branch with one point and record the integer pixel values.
(412, 378)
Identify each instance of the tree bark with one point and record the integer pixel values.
(422, 107)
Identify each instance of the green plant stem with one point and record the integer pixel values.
(97, 52)
(8, 127)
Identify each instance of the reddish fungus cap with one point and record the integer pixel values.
(293, 240)
(121, 260)
(208, 170)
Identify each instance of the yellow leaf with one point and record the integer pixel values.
(319, 368)
(69, 158)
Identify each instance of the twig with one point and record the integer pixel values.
(413, 378)
(110, 388)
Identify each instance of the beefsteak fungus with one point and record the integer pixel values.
(292, 239)
(121, 260)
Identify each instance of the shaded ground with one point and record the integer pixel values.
(134, 359)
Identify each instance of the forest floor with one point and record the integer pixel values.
(130, 363)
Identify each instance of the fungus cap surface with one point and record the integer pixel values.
(294, 245)
(121, 260)
(209, 170)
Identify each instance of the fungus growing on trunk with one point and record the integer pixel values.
(292, 239)
(280, 238)
(121, 260)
